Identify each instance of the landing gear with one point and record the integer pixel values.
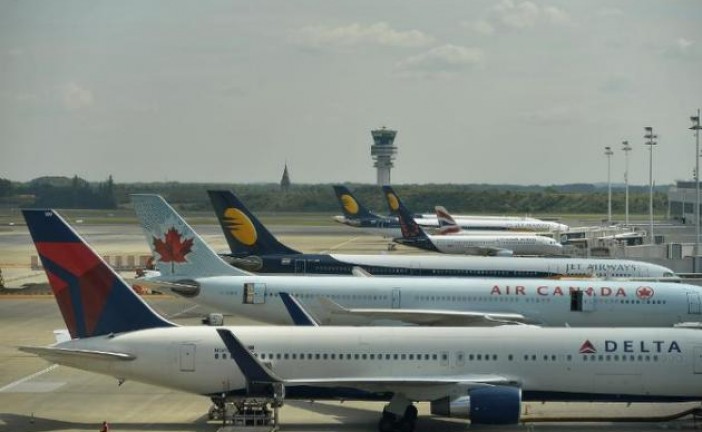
(393, 422)
(252, 414)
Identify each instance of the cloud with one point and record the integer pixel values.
(76, 97)
(520, 15)
(441, 62)
(681, 48)
(379, 33)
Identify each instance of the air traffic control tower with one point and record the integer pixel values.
(383, 152)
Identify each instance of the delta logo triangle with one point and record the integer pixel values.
(587, 348)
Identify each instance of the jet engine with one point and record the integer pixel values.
(486, 405)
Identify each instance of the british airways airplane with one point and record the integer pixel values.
(199, 274)
(478, 244)
(255, 249)
(480, 373)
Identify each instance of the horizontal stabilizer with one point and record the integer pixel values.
(253, 370)
(429, 317)
(297, 312)
(55, 354)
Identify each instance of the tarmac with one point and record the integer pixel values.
(38, 396)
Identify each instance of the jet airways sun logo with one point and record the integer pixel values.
(587, 348)
(240, 226)
(393, 202)
(644, 293)
(350, 204)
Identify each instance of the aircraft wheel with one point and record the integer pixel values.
(411, 413)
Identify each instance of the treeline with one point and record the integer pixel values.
(63, 192)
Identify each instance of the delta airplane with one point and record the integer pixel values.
(480, 373)
(255, 249)
(188, 267)
(490, 244)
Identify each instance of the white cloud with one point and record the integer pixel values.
(684, 44)
(520, 15)
(76, 97)
(442, 61)
(379, 33)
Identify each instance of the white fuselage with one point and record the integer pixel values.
(547, 364)
(495, 224)
(518, 244)
(548, 302)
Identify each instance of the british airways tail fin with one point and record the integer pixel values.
(412, 233)
(178, 250)
(447, 224)
(93, 299)
(245, 234)
(351, 207)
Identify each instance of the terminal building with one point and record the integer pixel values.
(681, 202)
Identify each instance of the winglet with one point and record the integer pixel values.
(253, 370)
(297, 312)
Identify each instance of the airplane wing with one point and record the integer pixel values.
(52, 353)
(165, 286)
(429, 316)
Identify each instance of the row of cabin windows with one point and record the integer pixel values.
(527, 299)
(623, 358)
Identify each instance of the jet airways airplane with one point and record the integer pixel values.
(255, 249)
(356, 215)
(480, 373)
(190, 268)
(497, 245)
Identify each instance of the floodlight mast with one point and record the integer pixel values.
(651, 141)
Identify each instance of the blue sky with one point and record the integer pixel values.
(525, 92)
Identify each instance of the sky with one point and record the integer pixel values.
(506, 91)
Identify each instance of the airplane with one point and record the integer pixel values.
(357, 215)
(199, 274)
(478, 373)
(255, 249)
(483, 244)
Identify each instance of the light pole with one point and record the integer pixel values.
(609, 153)
(650, 143)
(696, 127)
(626, 148)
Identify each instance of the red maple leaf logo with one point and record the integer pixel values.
(171, 249)
(644, 293)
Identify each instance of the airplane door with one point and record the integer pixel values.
(693, 303)
(254, 293)
(697, 362)
(396, 298)
(187, 357)
(300, 266)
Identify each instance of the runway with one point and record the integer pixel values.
(36, 396)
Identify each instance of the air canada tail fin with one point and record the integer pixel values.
(93, 299)
(447, 224)
(351, 207)
(178, 250)
(245, 234)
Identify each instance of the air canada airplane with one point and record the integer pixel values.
(189, 267)
(480, 373)
(255, 249)
(482, 244)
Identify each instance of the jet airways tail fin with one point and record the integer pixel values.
(178, 250)
(447, 224)
(93, 299)
(245, 234)
(351, 207)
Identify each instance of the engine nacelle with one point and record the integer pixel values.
(487, 405)
(504, 253)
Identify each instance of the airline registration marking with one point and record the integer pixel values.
(642, 292)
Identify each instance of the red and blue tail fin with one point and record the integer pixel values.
(412, 233)
(245, 234)
(94, 300)
(447, 224)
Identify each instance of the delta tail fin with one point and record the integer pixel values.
(245, 234)
(93, 299)
(351, 207)
(179, 252)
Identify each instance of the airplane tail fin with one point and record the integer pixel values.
(447, 224)
(245, 234)
(350, 206)
(178, 250)
(412, 233)
(93, 299)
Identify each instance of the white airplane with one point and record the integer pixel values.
(255, 249)
(490, 244)
(480, 373)
(199, 274)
